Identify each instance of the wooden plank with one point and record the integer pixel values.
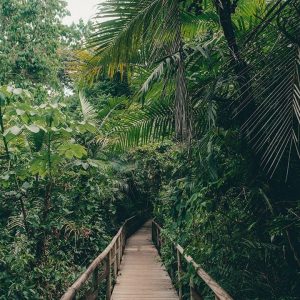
(142, 275)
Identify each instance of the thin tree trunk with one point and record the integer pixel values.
(41, 246)
(2, 131)
(182, 106)
(23, 209)
(183, 111)
(225, 8)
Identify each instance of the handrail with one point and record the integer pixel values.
(112, 255)
(219, 292)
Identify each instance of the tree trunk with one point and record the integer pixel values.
(246, 106)
(43, 235)
(182, 106)
(183, 110)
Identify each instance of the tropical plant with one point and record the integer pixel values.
(132, 43)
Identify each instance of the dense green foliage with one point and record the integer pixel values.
(61, 198)
(237, 225)
(30, 33)
(189, 108)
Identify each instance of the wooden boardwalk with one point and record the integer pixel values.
(141, 275)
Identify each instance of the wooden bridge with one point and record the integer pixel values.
(130, 268)
(141, 274)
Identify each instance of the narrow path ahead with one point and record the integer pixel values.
(142, 276)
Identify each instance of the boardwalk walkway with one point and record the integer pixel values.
(141, 275)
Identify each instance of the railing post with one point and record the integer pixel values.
(194, 294)
(119, 251)
(124, 240)
(121, 243)
(154, 237)
(96, 280)
(191, 288)
(179, 272)
(108, 276)
(153, 234)
(115, 261)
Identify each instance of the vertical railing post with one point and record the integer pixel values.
(124, 239)
(119, 251)
(179, 272)
(191, 288)
(121, 243)
(154, 234)
(193, 292)
(96, 280)
(108, 276)
(152, 237)
(115, 258)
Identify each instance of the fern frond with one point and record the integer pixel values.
(15, 222)
(88, 111)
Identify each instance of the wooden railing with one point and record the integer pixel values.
(220, 294)
(100, 276)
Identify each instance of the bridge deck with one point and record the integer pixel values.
(141, 275)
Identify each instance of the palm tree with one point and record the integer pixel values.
(145, 34)
(165, 36)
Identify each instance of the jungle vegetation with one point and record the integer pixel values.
(189, 108)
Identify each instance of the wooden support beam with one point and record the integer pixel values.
(108, 277)
(119, 251)
(96, 280)
(115, 261)
(179, 272)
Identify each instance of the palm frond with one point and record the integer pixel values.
(138, 32)
(249, 14)
(166, 66)
(272, 12)
(153, 123)
(83, 67)
(121, 39)
(274, 127)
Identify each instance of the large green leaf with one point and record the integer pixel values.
(72, 151)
